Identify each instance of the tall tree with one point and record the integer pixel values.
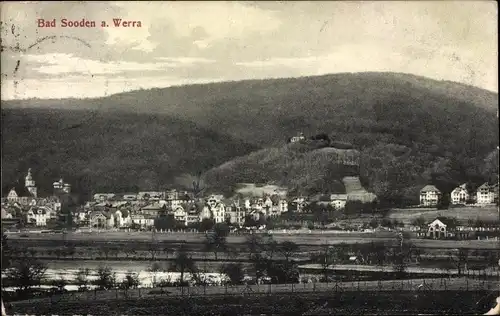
(460, 259)
(216, 239)
(183, 262)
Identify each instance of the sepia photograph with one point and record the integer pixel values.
(250, 158)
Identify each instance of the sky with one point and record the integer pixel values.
(196, 42)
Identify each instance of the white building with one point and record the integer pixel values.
(338, 201)
(29, 183)
(297, 138)
(460, 195)
(61, 186)
(485, 194)
(440, 228)
(429, 195)
(214, 209)
(38, 216)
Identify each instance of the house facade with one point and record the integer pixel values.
(429, 196)
(61, 187)
(297, 138)
(460, 195)
(101, 220)
(103, 197)
(338, 201)
(37, 216)
(441, 228)
(214, 209)
(486, 194)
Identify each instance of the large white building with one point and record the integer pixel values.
(485, 194)
(429, 195)
(460, 195)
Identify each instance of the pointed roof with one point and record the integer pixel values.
(448, 222)
(429, 187)
(484, 186)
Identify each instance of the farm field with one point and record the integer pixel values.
(353, 298)
(301, 239)
(462, 214)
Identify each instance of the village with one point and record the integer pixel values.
(175, 210)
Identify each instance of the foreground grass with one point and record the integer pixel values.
(374, 297)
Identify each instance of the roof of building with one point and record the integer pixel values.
(484, 186)
(461, 187)
(338, 196)
(428, 188)
(450, 223)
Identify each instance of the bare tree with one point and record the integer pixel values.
(326, 258)
(154, 269)
(216, 239)
(154, 250)
(26, 273)
(82, 280)
(271, 246)
(254, 244)
(460, 259)
(129, 251)
(104, 250)
(183, 263)
(288, 249)
(105, 278)
(131, 281)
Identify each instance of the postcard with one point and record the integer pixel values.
(250, 158)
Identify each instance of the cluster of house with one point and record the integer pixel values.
(486, 194)
(143, 208)
(24, 204)
(107, 210)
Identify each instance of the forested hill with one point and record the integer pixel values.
(105, 152)
(409, 129)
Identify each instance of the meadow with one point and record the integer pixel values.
(301, 238)
(464, 215)
(347, 298)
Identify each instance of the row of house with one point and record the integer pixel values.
(183, 208)
(486, 194)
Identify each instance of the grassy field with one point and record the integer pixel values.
(462, 214)
(312, 239)
(372, 297)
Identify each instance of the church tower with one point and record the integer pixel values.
(29, 183)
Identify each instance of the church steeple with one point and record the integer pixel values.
(29, 183)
